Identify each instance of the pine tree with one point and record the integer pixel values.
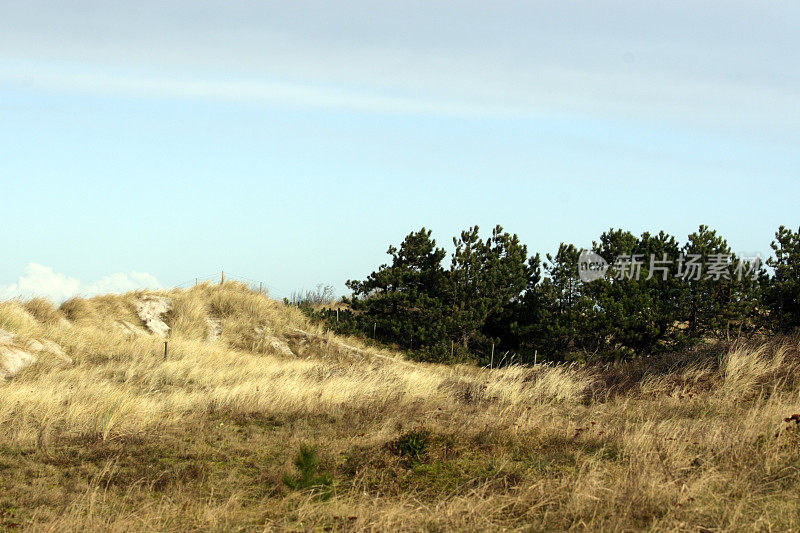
(638, 302)
(485, 277)
(566, 321)
(402, 302)
(517, 326)
(782, 294)
(713, 302)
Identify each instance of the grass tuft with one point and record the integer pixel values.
(126, 439)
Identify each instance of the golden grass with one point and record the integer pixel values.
(125, 439)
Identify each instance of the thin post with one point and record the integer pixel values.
(374, 325)
(222, 280)
(535, 356)
(195, 282)
(165, 350)
(491, 364)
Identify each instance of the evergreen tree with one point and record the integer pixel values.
(622, 306)
(782, 295)
(402, 301)
(717, 303)
(639, 299)
(566, 318)
(493, 294)
(517, 326)
(665, 290)
(485, 277)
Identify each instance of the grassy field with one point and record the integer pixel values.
(209, 437)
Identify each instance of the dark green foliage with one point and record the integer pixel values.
(484, 278)
(664, 291)
(308, 477)
(707, 300)
(719, 304)
(496, 299)
(637, 306)
(782, 295)
(565, 313)
(515, 327)
(411, 445)
(403, 302)
(415, 303)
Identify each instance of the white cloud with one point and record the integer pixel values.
(130, 84)
(683, 61)
(42, 281)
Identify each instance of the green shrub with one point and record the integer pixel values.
(308, 477)
(411, 445)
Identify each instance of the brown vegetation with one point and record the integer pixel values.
(126, 439)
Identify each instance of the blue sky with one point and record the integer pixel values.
(152, 142)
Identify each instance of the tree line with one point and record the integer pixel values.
(634, 295)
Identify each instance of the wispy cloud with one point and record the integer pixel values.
(42, 281)
(685, 61)
(551, 90)
(138, 84)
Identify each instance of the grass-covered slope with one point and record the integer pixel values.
(209, 437)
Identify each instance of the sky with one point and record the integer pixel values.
(149, 143)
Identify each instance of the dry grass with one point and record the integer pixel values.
(125, 439)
